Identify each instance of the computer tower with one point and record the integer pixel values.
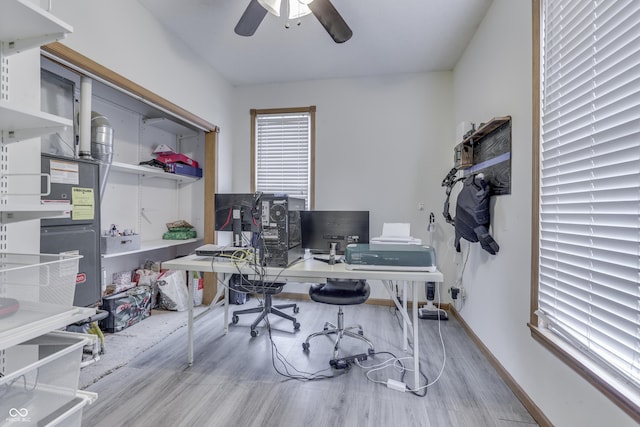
(281, 234)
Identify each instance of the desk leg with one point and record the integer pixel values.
(190, 320)
(416, 343)
(226, 304)
(405, 324)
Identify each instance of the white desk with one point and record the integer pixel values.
(308, 271)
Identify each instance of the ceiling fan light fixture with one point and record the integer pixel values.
(298, 8)
(272, 6)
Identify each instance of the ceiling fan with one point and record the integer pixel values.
(323, 10)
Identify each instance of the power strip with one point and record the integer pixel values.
(396, 385)
(345, 362)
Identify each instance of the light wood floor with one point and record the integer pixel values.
(233, 381)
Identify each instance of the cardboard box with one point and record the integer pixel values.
(176, 158)
(182, 169)
(116, 244)
(126, 309)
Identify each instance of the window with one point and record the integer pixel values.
(586, 272)
(283, 150)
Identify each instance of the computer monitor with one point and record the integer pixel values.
(321, 228)
(236, 212)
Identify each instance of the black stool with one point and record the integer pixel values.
(340, 292)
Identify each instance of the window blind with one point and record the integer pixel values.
(283, 154)
(589, 258)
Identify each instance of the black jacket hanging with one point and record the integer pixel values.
(472, 214)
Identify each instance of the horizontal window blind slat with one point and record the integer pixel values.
(573, 285)
(620, 346)
(625, 221)
(624, 268)
(588, 312)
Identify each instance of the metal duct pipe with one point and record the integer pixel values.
(84, 119)
(102, 146)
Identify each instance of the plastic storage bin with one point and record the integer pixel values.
(36, 291)
(117, 244)
(45, 278)
(41, 379)
(126, 308)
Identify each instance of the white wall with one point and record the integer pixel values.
(382, 144)
(493, 78)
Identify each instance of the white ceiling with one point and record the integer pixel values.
(389, 37)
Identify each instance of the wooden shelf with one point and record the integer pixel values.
(151, 245)
(18, 123)
(486, 129)
(24, 25)
(151, 172)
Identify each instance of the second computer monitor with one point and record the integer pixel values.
(321, 228)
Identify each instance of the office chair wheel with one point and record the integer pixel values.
(296, 309)
(235, 319)
(305, 346)
(371, 352)
(296, 326)
(255, 333)
(361, 332)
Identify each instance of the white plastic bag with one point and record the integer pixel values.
(173, 290)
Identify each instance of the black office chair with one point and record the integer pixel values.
(340, 292)
(267, 289)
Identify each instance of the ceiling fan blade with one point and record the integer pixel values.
(250, 19)
(331, 20)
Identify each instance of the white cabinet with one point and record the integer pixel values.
(36, 290)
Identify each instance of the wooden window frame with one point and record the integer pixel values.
(312, 141)
(574, 360)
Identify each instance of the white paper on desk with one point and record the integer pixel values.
(396, 232)
(396, 229)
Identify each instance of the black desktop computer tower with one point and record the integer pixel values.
(281, 229)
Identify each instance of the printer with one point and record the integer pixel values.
(390, 256)
(396, 233)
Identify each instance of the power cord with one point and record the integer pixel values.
(459, 285)
(401, 386)
(286, 365)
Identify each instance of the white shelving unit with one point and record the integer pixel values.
(151, 172)
(23, 25)
(152, 245)
(37, 288)
(13, 212)
(18, 124)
